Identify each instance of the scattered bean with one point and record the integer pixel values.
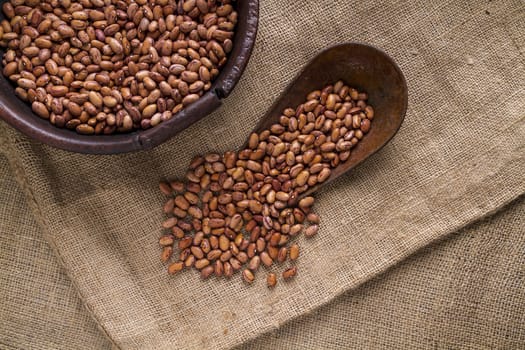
(271, 280)
(241, 210)
(289, 273)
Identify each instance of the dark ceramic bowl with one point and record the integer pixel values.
(19, 114)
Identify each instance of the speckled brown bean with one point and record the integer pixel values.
(181, 202)
(369, 111)
(40, 109)
(175, 267)
(273, 252)
(165, 188)
(185, 243)
(190, 261)
(236, 264)
(313, 218)
(289, 273)
(184, 254)
(266, 259)
(324, 175)
(271, 280)
(219, 268)
(311, 230)
(201, 263)
(260, 244)
(302, 177)
(207, 271)
(294, 251)
(283, 253)
(169, 222)
(166, 240)
(85, 129)
(365, 125)
(197, 252)
(166, 254)
(228, 269)
(254, 264)
(177, 232)
(248, 276)
(306, 202)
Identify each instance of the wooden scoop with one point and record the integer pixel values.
(365, 68)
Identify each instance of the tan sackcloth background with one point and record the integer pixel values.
(464, 292)
(39, 308)
(459, 156)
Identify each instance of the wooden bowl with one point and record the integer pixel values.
(19, 114)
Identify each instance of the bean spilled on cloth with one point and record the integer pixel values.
(240, 210)
(100, 67)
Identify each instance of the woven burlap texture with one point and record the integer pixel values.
(464, 293)
(39, 308)
(452, 288)
(458, 156)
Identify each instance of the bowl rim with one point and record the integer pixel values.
(19, 115)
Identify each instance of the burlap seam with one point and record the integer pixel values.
(8, 149)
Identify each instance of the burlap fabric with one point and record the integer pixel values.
(462, 293)
(39, 308)
(458, 157)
